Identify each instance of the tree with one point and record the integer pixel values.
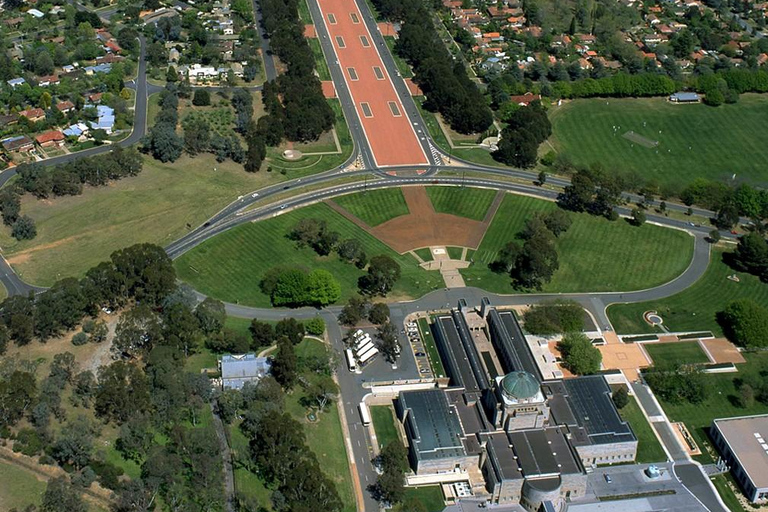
(393, 460)
(24, 228)
(579, 355)
(379, 313)
(745, 322)
(388, 342)
(354, 311)
(197, 135)
(751, 254)
(324, 289)
(290, 328)
(75, 444)
(201, 98)
(285, 364)
(714, 236)
(315, 326)
(727, 216)
(262, 334)
(322, 390)
(620, 398)
(746, 396)
(542, 178)
(60, 496)
(256, 153)
(122, 392)
(18, 393)
(351, 250)
(211, 315)
(383, 273)
(638, 217)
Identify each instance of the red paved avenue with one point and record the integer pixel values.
(387, 128)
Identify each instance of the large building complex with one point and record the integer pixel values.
(512, 436)
(742, 443)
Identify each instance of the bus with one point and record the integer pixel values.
(351, 360)
(364, 414)
(363, 341)
(365, 356)
(364, 347)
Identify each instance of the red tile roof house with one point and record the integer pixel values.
(51, 139)
(33, 114)
(525, 99)
(65, 107)
(18, 144)
(45, 81)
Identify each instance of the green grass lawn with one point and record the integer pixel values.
(230, 266)
(431, 496)
(455, 252)
(429, 343)
(18, 487)
(679, 352)
(321, 65)
(383, 418)
(595, 254)
(721, 401)
(726, 492)
(75, 233)
(304, 15)
(425, 253)
(648, 447)
(693, 309)
(472, 203)
(694, 140)
(376, 206)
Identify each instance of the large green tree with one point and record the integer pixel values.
(745, 322)
(579, 355)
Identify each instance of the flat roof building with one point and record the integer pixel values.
(744, 446)
(237, 370)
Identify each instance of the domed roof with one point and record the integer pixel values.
(519, 385)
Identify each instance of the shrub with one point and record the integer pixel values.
(79, 339)
(315, 326)
(24, 228)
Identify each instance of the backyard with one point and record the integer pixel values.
(594, 252)
(693, 309)
(694, 141)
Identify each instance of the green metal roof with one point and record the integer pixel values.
(519, 385)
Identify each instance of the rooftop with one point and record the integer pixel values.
(746, 437)
(589, 398)
(236, 370)
(435, 425)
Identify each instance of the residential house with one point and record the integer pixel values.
(106, 119)
(112, 47)
(33, 114)
(18, 144)
(526, 99)
(65, 107)
(98, 68)
(109, 59)
(95, 97)
(45, 81)
(9, 119)
(15, 82)
(13, 22)
(76, 130)
(50, 139)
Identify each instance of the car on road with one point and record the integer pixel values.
(255, 194)
(282, 206)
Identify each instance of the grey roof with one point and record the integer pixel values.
(685, 96)
(590, 400)
(453, 354)
(434, 424)
(236, 370)
(542, 452)
(508, 339)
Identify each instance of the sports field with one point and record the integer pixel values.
(472, 203)
(679, 352)
(595, 254)
(230, 266)
(374, 207)
(693, 140)
(693, 309)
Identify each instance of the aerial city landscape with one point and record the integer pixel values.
(368, 255)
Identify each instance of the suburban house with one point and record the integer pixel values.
(15, 82)
(50, 139)
(65, 107)
(33, 114)
(237, 370)
(18, 144)
(75, 130)
(106, 120)
(526, 99)
(45, 81)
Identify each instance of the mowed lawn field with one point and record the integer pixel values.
(679, 352)
(472, 203)
(595, 254)
(376, 206)
(231, 265)
(694, 309)
(648, 447)
(694, 140)
(158, 206)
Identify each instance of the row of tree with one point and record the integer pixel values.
(315, 233)
(443, 79)
(295, 105)
(534, 263)
(162, 141)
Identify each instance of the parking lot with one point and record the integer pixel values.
(415, 340)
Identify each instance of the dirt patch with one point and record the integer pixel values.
(423, 227)
(722, 351)
(329, 90)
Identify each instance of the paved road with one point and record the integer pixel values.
(266, 53)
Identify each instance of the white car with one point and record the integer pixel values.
(255, 194)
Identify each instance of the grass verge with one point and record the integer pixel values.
(648, 447)
(595, 254)
(323, 73)
(384, 424)
(375, 207)
(695, 308)
(429, 343)
(424, 253)
(431, 497)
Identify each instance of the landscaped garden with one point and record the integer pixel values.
(695, 308)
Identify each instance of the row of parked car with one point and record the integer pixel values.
(412, 331)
